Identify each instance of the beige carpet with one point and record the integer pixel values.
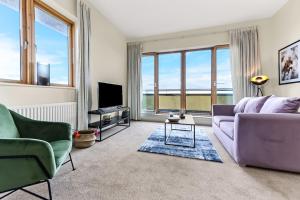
(113, 169)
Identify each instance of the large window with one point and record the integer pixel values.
(47, 41)
(10, 52)
(169, 81)
(148, 83)
(198, 80)
(224, 83)
(192, 80)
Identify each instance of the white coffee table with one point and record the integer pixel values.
(188, 121)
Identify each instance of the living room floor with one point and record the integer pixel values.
(114, 169)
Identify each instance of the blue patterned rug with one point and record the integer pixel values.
(204, 149)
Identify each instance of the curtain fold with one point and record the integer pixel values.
(134, 53)
(245, 61)
(83, 70)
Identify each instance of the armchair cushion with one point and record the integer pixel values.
(8, 128)
(61, 150)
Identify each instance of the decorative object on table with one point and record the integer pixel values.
(84, 138)
(289, 64)
(181, 114)
(259, 81)
(204, 149)
(171, 114)
(43, 74)
(174, 118)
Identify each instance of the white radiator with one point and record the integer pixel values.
(58, 112)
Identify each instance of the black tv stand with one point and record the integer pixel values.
(121, 118)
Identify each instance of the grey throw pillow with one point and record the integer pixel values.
(281, 105)
(240, 106)
(255, 104)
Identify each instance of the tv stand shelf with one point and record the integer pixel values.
(118, 119)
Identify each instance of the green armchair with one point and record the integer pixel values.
(31, 151)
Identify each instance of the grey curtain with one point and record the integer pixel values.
(83, 72)
(245, 60)
(134, 52)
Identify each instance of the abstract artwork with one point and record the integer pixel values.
(289, 65)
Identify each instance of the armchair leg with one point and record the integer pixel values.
(32, 193)
(49, 190)
(71, 162)
(7, 194)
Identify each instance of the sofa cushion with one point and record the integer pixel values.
(240, 106)
(227, 128)
(281, 105)
(222, 118)
(61, 150)
(255, 104)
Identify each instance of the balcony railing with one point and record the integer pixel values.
(196, 100)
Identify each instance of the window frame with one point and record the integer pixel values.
(22, 27)
(183, 74)
(27, 43)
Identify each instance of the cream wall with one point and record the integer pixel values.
(108, 63)
(108, 57)
(276, 32)
(284, 30)
(198, 38)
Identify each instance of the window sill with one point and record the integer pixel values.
(35, 86)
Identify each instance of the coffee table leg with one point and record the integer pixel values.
(194, 136)
(165, 133)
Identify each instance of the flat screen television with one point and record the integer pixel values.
(110, 95)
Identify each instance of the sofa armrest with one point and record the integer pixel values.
(28, 150)
(218, 109)
(268, 140)
(48, 131)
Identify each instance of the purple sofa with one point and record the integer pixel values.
(257, 139)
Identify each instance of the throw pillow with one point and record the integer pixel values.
(240, 106)
(281, 105)
(255, 104)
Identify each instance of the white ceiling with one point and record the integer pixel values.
(142, 18)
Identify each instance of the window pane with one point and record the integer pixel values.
(169, 81)
(10, 57)
(148, 83)
(198, 80)
(224, 83)
(52, 45)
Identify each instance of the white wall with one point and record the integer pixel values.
(206, 37)
(284, 29)
(276, 32)
(108, 57)
(108, 63)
